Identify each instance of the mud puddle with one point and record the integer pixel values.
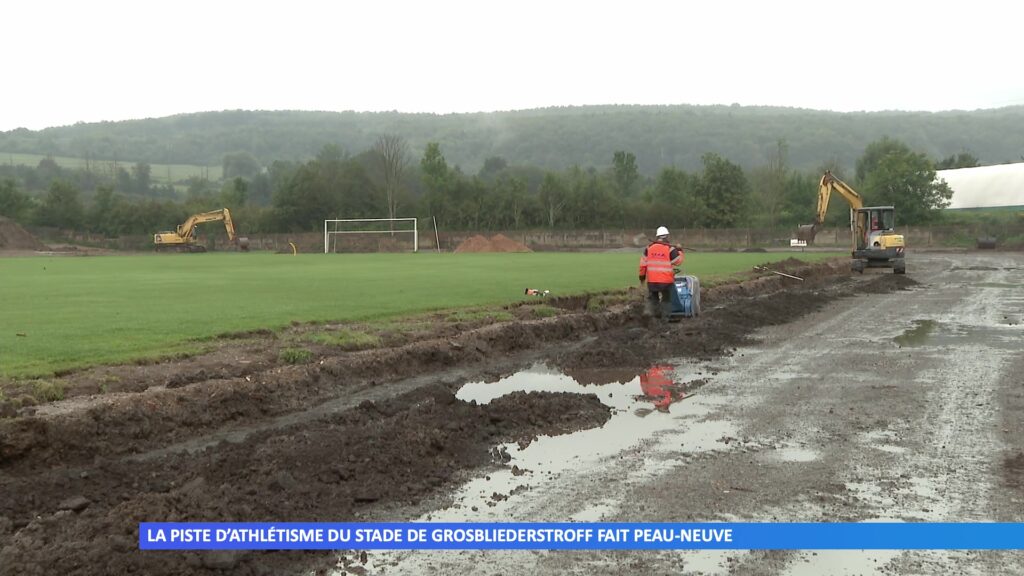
(926, 332)
(662, 411)
(644, 408)
(841, 562)
(917, 335)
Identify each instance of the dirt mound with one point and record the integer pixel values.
(502, 243)
(14, 237)
(474, 244)
(497, 243)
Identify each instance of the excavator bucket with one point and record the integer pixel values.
(806, 232)
(243, 244)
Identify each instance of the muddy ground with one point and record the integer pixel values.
(377, 431)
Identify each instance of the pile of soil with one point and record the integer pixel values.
(474, 244)
(497, 243)
(14, 237)
(502, 243)
(396, 450)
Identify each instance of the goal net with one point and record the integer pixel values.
(371, 235)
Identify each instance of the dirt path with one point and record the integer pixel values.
(395, 433)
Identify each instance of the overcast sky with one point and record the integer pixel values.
(85, 61)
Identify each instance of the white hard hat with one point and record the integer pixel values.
(662, 231)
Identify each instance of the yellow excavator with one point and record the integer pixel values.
(184, 238)
(875, 241)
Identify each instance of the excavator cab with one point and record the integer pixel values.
(870, 224)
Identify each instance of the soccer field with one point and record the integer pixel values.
(61, 313)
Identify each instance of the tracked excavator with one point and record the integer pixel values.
(875, 241)
(184, 238)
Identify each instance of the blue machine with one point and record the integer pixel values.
(685, 298)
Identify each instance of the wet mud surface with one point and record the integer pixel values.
(895, 406)
(236, 435)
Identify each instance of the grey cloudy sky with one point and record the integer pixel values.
(74, 61)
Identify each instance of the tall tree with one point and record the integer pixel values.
(235, 193)
(553, 197)
(103, 212)
(141, 178)
(625, 172)
(123, 181)
(14, 204)
(904, 179)
(438, 181)
(62, 207)
(673, 200)
(434, 168)
(512, 201)
(724, 189)
(771, 185)
(393, 155)
(875, 152)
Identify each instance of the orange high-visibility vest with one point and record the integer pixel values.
(657, 262)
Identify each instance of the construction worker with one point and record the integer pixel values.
(656, 266)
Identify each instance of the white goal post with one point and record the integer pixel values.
(334, 228)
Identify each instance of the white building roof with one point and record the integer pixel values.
(986, 186)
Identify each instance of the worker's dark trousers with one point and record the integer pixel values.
(659, 298)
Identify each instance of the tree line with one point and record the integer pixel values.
(553, 139)
(387, 179)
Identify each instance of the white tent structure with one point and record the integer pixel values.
(986, 186)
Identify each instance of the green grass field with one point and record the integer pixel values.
(61, 313)
(159, 173)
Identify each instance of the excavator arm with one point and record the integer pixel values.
(185, 230)
(826, 187)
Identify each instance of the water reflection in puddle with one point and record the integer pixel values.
(654, 409)
(650, 408)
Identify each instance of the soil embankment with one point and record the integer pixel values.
(15, 238)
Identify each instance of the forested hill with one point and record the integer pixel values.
(553, 138)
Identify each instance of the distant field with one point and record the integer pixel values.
(62, 313)
(159, 173)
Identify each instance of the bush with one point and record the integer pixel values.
(295, 355)
(47, 391)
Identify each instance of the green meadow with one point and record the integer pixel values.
(159, 173)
